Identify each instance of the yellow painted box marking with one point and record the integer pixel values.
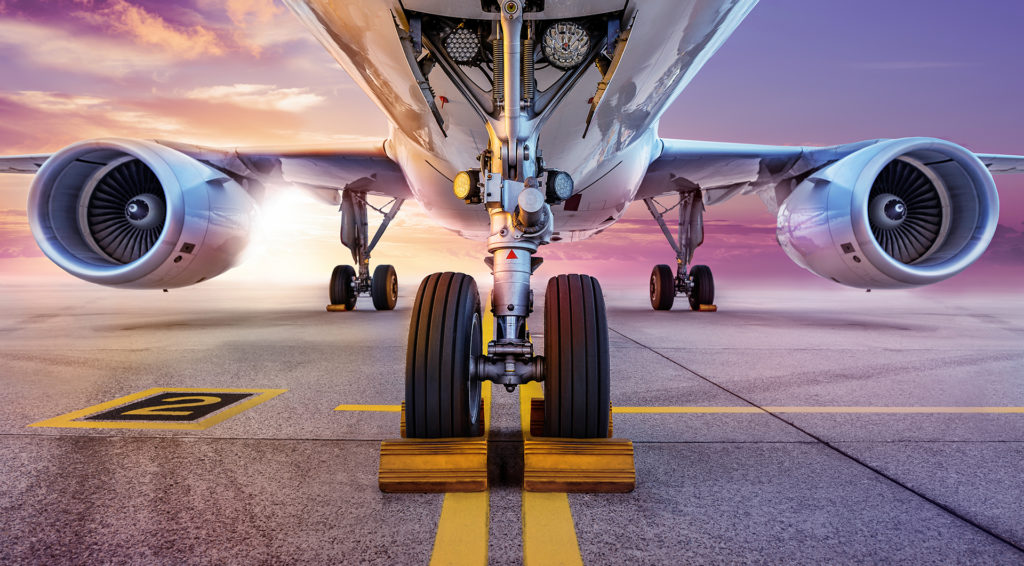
(166, 402)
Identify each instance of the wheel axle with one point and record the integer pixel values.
(509, 370)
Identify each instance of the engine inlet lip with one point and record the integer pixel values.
(65, 245)
(985, 223)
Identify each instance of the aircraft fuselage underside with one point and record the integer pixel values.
(599, 127)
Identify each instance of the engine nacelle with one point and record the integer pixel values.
(900, 213)
(136, 214)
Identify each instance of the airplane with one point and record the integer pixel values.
(519, 123)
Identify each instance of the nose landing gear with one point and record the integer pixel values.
(517, 191)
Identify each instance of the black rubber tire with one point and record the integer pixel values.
(663, 288)
(384, 288)
(343, 287)
(445, 331)
(703, 291)
(577, 384)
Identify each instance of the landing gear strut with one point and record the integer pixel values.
(346, 283)
(446, 366)
(696, 282)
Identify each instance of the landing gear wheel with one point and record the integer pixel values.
(444, 335)
(576, 386)
(384, 290)
(663, 288)
(343, 287)
(703, 290)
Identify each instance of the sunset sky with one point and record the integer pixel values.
(238, 72)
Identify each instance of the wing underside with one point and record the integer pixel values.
(364, 166)
(724, 170)
(1002, 163)
(22, 163)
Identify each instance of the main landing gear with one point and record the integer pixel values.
(346, 284)
(696, 283)
(446, 365)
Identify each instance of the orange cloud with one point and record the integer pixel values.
(267, 97)
(36, 121)
(146, 28)
(259, 24)
(15, 237)
(52, 48)
(244, 12)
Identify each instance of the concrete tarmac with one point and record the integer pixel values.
(792, 480)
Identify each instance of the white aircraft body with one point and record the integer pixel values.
(520, 123)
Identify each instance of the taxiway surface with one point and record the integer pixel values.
(812, 428)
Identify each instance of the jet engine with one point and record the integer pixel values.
(899, 213)
(136, 214)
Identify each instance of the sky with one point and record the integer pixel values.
(244, 72)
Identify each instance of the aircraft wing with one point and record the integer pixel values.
(360, 165)
(724, 170)
(1002, 163)
(22, 163)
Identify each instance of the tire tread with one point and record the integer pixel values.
(437, 401)
(576, 389)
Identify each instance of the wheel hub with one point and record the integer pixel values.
(474, 386)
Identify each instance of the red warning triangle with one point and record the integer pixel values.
(512, 255)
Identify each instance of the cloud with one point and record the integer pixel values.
(43, 121)
(53, 48)
(113, 38)
(247, 12)
(85, 116)
(15, 236)
(266, 97)
(147, 28)
(55, 102)
(258, 24)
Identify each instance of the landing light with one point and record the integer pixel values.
(565, 44)
(462, 45)
(559, 186)
(465, 186)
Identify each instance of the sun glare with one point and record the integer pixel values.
(293, 239)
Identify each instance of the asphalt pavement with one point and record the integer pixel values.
(787, 428)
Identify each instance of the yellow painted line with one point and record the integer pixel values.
(371, 408)
(463, 530)
(745, 409)
(68, 420)
(823, 410)
(549, 534)
(668, 410)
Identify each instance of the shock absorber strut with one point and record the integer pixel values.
(498, 71)
(509, 185)
(529, 86)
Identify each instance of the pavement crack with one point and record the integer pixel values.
(834, 448)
